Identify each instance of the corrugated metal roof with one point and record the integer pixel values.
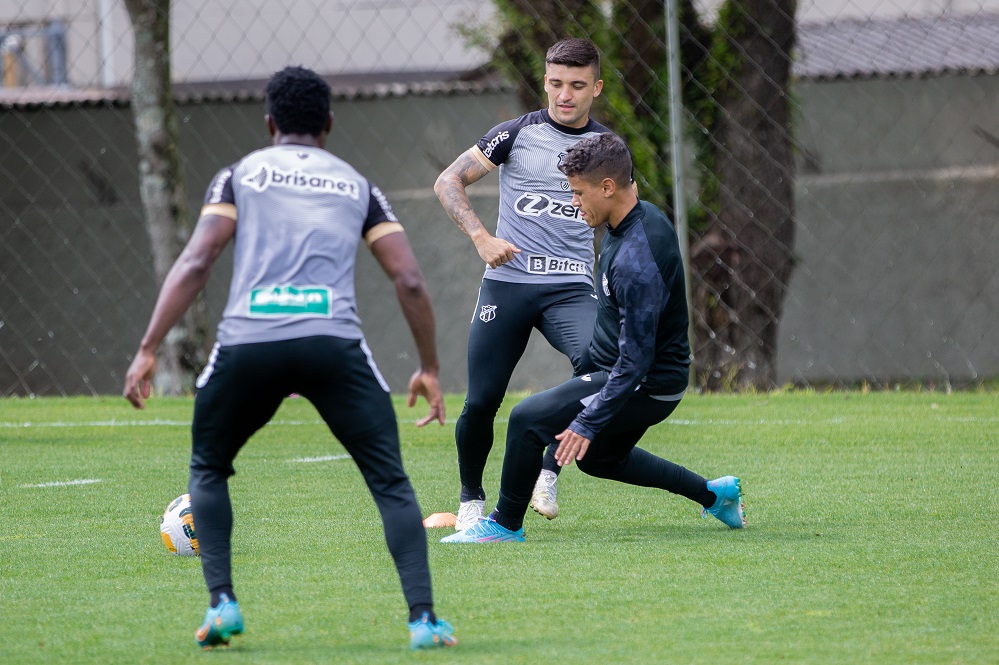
(898, 47)
(344, 86)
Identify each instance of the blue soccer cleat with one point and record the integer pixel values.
(221, 623)
(728, 506)
(426, 635)
(486, 530)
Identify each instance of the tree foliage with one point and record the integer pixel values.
(736, 77)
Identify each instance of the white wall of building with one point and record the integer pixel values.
(251, 39)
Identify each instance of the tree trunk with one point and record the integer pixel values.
(743, 261)
(161, 184)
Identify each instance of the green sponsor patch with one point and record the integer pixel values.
(290, 300)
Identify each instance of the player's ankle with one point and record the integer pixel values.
(506, 521)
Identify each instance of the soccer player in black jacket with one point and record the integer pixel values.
(640, 345)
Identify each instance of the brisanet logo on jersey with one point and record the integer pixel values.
(271, 176)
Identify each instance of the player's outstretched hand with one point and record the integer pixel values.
(429, 386)
(495, 251)
(571, 447)
(138, 378)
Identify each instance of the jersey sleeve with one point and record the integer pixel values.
(220, 198)
(641, 295)
(496, 144)
(380, 220)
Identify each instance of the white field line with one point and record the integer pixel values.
(323, 458)
(66, 483)
(137, 423)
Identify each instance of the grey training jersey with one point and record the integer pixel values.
(300, 214)
(535, 208)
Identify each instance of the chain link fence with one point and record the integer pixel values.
(886, 272)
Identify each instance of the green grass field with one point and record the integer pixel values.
(872, 539)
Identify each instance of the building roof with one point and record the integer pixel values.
(846, 49)
(906, 47)
(344, 86)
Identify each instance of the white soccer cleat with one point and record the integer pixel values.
(469, 512)
(545, 490)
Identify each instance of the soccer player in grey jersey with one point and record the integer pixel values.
(639, 346)
(539, 265)
(296, 214)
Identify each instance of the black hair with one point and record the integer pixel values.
(298, 101)
(598, 157)
(574, 52)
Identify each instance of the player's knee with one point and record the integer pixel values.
(483, 405)
(588, 465)
(205, 473)
(600, 463)
(526, 415)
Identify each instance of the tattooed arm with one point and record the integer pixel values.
(450, 189)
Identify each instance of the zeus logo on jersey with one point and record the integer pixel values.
(532, 205)
(499, 138)
(271, 176)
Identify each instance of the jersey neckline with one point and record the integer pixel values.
(565, 129)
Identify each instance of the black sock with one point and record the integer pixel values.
(217, 595)
(505, 521)
(472, 494)
(549, 463)
(416, 613)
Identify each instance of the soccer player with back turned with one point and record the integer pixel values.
(640, 346)
(296, 214)
(539, 272)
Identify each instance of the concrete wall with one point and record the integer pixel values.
(897, 236)
(898, 241)
(76, 287)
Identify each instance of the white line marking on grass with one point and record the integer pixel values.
(139, 423)
(100, 423)
(761, 421)
(66, 483)
(324, 458)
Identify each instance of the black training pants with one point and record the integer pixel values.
(612, 454)
(238, 394)
(504, 317)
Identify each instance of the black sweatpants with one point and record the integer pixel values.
(238, 394)
(504, 317)
(612, 454)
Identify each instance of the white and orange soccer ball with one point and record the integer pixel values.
(177, 527)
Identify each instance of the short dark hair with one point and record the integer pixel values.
(298, 101)
(574, 52)
(598, 157)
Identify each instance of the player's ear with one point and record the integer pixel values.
(329, 124)
(271, 126)
(608, 187)
(597, 87)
